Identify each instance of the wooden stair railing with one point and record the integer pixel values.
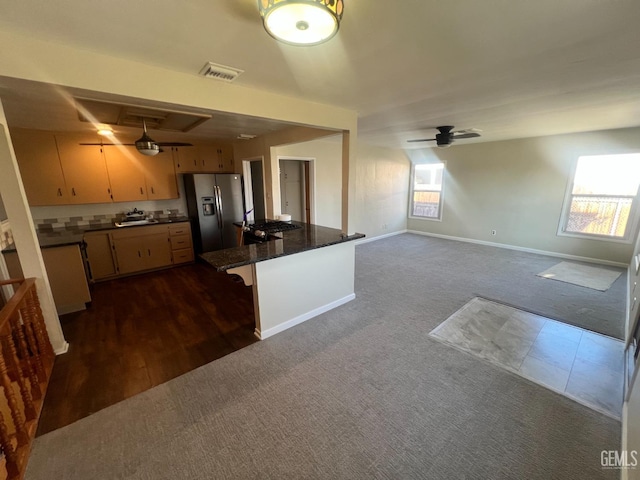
(26, 361)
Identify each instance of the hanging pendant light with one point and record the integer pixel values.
(145, 145)
(301, 22)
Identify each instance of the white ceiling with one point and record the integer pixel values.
(512, 68)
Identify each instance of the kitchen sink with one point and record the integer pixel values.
(131, 223)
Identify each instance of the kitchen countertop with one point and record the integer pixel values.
(308, 237)
(74, 235)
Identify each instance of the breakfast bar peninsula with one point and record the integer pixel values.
(295, 275)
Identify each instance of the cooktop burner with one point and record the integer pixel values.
(273, 226)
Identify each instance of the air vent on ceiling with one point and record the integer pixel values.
(220, 72)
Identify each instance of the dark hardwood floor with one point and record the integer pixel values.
(142, 331)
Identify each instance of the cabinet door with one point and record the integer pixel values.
(100, 255)
(210, 158)
(186, 159)
(65, 270)
(158, 250)
(131, 254)
(226, 159)
(126, 173)
(160, 177)
(40, 168)
(84, 169)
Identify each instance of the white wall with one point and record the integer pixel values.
(517, 188)
(382, 183)
(382, 190)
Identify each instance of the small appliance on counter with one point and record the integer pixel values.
(135, 217)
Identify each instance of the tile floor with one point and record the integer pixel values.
(578, 363)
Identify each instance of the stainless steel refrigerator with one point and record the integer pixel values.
(214, 203)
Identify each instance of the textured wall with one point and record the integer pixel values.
(517, 188)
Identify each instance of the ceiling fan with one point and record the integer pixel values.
(446, 137)
(145, 144)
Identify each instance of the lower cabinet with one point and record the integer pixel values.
(65, 270)
(125, 251)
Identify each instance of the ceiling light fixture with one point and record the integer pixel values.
(105, 132)
(301, 22)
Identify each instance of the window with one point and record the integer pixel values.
(426, 194)
(602, 199)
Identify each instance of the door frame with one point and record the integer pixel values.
(248, 184)
(311, 161)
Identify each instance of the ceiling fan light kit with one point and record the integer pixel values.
(145, 145)
(301, 22)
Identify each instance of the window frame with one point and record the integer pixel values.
(412, 185)
(634, 213)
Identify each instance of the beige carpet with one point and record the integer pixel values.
(596, 278)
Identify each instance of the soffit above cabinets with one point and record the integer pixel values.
(100, 112)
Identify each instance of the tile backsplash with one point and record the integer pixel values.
(50, 224)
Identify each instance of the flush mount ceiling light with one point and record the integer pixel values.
(301, 22)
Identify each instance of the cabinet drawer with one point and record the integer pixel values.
(180, 241)
(180, 229)
(184, 255)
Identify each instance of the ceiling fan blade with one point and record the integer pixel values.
(423, 140)
(107, 144)
(174, 144)
(465, 135)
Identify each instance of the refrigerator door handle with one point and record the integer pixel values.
(218, 205)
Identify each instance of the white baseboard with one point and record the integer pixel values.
(303, 318)
(523, 249)
(63, 349)
(379, 237)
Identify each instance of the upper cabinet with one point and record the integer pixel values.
(186, 159)
(203, 158)
(126, 173)
(40, 167)
(160, 177)
(84, 169)
(63, 169)
(138, 177)
(215, 158)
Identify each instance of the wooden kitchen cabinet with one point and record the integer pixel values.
(100, 255)
(181, 243)
(186, 159)
(160, 179)
(141, 248)
(40, 168)
(67, 278)
(215, 158)
(84, 169)
(126, 173)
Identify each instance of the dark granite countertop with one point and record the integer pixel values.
(308, 237)
(60, 237)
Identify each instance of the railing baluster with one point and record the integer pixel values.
(27, 355)
(23, 356)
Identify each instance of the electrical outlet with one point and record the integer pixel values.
(493, 232)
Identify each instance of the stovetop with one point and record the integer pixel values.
(273, 226)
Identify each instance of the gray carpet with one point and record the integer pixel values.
(361, 391)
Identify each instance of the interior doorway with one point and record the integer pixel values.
(296, 188)
(254, 191)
